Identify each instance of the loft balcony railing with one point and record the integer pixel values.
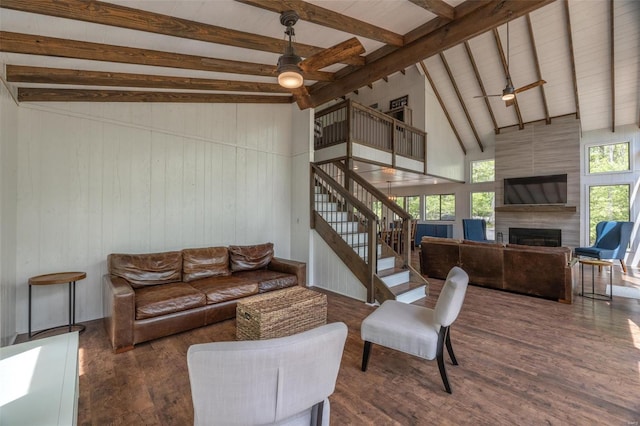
(350, 122)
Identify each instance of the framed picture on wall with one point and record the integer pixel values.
(399, 102)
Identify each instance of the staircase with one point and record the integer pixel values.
(392, 278)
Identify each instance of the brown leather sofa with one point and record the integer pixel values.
(537, 271)
(147, 296)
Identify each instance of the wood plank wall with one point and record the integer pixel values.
(541, 149)
(8, 214)
(95, 179)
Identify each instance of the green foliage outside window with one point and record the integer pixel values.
(607, 202)
(399, 201)
(440, 207)
(377, 209)
(609, 158)
(413, 206)
(482, 207)
(483, 171)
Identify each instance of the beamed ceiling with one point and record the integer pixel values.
(225, 51)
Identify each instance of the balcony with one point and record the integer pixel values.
(349, 130)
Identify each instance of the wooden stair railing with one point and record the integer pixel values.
(391, 214)
(359, 252)
(350, 122)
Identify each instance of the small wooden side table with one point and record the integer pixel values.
(59, 278)
(599, 264)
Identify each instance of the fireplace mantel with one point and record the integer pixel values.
(536, 208)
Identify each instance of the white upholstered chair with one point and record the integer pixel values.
(284, 381)
(417, 330)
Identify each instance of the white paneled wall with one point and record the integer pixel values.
(445, 157)
(8, 215)
(94, 179)
(328, 271)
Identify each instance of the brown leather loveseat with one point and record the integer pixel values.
(147, 296)
(537, 271)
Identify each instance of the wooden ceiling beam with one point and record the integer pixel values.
(443, 106)
(98, 12)
(49, 46)
(481, 84)
(481, 19)
(334, 54)
(538, 69)
(461, 10)
(505, 67)
(328, 18)
(27, 74)
(437, 7)
(572, 59)
(460, 100)
(28, 94)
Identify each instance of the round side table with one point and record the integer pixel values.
(59, 278)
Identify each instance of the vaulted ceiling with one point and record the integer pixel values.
(586, 51)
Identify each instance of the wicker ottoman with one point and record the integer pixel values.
(280, 313)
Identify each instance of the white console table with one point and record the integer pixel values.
(40, 382)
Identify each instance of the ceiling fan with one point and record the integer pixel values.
(291, 67)
(509, 92)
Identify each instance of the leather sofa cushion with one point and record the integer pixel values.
(269, 280)
(543, 249)
(147, 269)
(204, 262)
(223, 289)
(154, 301)
(247, 258)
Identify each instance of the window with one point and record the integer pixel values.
(483, 171)
(440, 207)
(482, 207)
(413, 206)
(607, 202)
(377, 209)
(609, 158)
(398, 200)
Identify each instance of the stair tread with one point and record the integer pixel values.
(403, 288)
(391, 271)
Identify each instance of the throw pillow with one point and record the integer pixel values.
(247, 258)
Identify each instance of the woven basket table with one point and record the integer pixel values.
(280, 313)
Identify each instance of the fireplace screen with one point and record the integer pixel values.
(535, 237)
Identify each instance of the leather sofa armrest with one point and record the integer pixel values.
(119, 312)
(299, 269)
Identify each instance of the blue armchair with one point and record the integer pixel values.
(612, 240)
(475, 229)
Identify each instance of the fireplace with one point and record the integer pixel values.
(535, 237)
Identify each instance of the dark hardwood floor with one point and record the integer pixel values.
(523, 361)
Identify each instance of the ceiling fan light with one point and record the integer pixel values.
(509, 92)
(508, 96)
(290, 79)
(289, 73)
(288, 70)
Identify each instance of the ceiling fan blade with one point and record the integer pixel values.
(510, 102)
(333, 55)
(530, 86)
(486, 96)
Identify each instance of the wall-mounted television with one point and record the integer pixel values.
(550, 189)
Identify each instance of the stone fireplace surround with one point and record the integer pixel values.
(540, 149)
